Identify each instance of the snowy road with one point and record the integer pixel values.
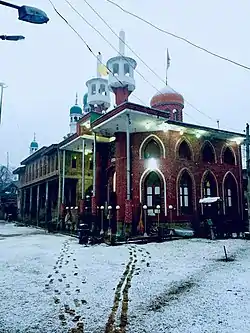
(49, 283)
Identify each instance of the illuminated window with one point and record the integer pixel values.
(152, 150)
(185, 194)
(152, 192)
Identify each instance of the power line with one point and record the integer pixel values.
(158, 76)
(178, 37)
(124, 58)
(88, 47)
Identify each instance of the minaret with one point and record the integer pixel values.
(33, 145)
(75, 116)
(121, 73)
(98, 97)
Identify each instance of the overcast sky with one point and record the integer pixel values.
(44, 71)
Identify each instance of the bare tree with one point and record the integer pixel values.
(5, 176)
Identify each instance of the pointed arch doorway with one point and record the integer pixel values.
(153, 193)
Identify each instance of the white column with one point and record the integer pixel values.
(63, 176)
(128, 157)
(46, 200)
(94, 166)
(30, 207)
(59, 185)
(83, 168)
(37, 204)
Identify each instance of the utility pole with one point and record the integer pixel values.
(248, 172)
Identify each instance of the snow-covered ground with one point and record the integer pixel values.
(47, 281)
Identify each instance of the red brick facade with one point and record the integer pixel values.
(170, 168)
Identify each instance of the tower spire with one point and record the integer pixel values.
(99, 63)
(34, 136)
(122, 43)
(168, 65)
(76, 99)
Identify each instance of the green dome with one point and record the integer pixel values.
(76, 109)
(34, 144)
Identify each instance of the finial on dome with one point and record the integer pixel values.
(122, 43)
(76, 99)
(168, 65)
(34, 137)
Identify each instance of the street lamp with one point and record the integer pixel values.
(2, 86)
(117, 220)
(14, 38)
(101, 208)
(170, 207)
(145, 220)
(158, 207)
(28, 14)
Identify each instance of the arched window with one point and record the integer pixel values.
(228, 156)
(152, 149)
(102, 89)
(152, 192)
(126, 70)
(209, 186)
(116, 69)
(230, 196)
(93, 89)
(185, 194)
(75, 118)
(208, 153)
(184, 151)
(175, 115)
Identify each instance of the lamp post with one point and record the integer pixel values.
(13, 38)
(170, 207)
(101, 208)
(109, 228)
(28, 14)
(117, 220)
(158, 207)
(145, 220)
(2, 86)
